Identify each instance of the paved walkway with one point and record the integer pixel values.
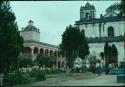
(104, 80)
(80, 79)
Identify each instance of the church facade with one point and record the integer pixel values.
(108, 28)
(33, 46)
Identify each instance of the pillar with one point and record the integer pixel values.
(60, 64)
(57, 64)
(38, 50)
(32, 50)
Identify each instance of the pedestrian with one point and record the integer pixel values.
(97, 67)
(87, 66)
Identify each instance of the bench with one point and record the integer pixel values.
(116, 71)
(121, 78)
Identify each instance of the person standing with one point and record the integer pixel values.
(97, 67)
(100, 68)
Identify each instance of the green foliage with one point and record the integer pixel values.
(44, 60)
(38, 74)
(102, 55)
(106, 48)
(117, 7)
(11, 43)
(84, 48)
(24, 62)
(17, 78)
(25, 76)
(110, 53)
(73, 44)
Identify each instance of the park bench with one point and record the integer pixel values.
(121, 78)
(117, 71)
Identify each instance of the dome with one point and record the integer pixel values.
(30, 27)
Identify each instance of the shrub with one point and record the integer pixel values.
(18, 78)
(25, 75)
(24, 62)
(41, 75)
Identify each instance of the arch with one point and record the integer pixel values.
(46, 51)
(27, 50)
(41, 50)
(87, 15)
(110, 31)
(62, 64)
(51, 52)
(59, 64)
(35, 50)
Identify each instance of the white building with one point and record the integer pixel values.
(109, 27)
(33, 46)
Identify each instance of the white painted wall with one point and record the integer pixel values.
(93, 31)
(31, 35)
(99, 47)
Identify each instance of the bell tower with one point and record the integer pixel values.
(87, 12)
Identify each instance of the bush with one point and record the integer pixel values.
(41, 75)
(24, 62)
(25, 75)
(17, 78)
(38, 74)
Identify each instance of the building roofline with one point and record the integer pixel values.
(43, 43)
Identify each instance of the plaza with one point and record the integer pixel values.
(91, 53)
(78, 79)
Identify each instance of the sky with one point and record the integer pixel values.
(52, 17)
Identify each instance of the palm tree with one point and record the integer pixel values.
(117, 7)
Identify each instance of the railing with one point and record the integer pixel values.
(105, 39)
(31, 29)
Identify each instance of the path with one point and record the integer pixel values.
(80, 79)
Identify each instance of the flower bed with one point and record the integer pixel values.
(25, 75)
(30, 74)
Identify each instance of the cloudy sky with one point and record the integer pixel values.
(52, 17)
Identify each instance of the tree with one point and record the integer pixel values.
(102, 55)
(24, 62)
(109, 54)
(84, 48)
(11, 43)
(106, 50)
(117, 7)
(44, 60)
(114, 54)
(73, 44)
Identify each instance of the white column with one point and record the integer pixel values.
(48, 52)
(44, 50)
(57, 64)
(32, 48)
(38, 50)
